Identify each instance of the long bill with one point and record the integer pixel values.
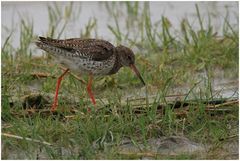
(133, 67)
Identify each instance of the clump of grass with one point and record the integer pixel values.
(60, 17)
(92, 24)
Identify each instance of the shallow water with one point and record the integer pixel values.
(174, 11)
(161, 147)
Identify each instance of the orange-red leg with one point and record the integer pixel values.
(55, 103)
(89, 89)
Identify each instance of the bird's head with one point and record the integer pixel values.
(127, 58)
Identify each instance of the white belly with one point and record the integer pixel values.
(83, 66)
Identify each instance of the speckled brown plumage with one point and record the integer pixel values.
(93, 48)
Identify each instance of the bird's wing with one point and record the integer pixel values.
(93, 49)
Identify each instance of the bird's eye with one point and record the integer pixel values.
(129, 57)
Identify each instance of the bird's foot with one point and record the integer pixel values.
(54, 107)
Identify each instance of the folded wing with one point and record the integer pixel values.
(91, 49)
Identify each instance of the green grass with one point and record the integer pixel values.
(166, 62)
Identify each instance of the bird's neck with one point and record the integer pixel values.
(117, 65)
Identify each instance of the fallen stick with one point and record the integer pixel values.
(50, 65)
(223, 104)
(140, 154)
(41, 75)
(77, 77)
(28, 139)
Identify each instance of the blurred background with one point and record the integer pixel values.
(101, 17)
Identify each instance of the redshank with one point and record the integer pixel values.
(90, 56)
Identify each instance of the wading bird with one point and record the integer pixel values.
(90, 56)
